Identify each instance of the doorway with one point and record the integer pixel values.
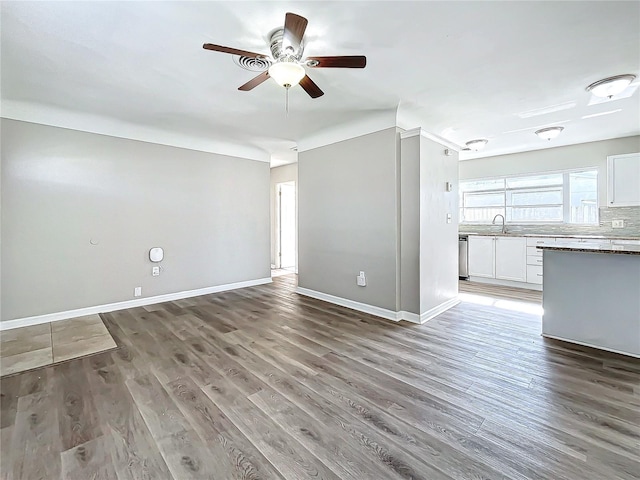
(286, 226)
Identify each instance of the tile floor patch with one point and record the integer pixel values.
(40, 345)
(80, 348)
(25, 361)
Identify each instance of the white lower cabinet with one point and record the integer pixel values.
(503, 258)
(511, 258)
(534, 274)
(517, 259)
(482, 257)
(535, 258)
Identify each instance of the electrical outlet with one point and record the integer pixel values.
(617, 224)
(361, 280)
(155, 271)
(137, 292)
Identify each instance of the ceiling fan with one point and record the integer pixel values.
(287, 66)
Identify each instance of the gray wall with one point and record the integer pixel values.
(438, 239)
(347, 218)
(61, 189)
(285, 173)
(592, 154)
(410, 225)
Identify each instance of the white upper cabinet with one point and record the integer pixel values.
(511, 258)
(623, 175)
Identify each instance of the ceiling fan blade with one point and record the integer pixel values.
(254, 82)
(294, 27)
(353, 61)
(232, 51)
(310, 87)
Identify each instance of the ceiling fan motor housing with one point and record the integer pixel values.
(280, 52)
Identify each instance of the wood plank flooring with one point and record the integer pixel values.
(500, 292)
(262, 383)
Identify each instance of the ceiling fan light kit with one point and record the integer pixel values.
(287, 74)
(287, 65)
(611, 86)
(549, 132)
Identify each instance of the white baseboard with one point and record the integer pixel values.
(378, 311)
(344, 302)
(138, 302)
(437, 310)
(598, 347)
(507, 283)
(408, 316)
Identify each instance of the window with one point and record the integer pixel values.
(559, 197)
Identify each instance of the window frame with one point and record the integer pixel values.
(566, 194)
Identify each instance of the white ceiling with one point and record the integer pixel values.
(460, 70)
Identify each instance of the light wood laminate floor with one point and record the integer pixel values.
(263, 383)
(35, 346)
(500, 292)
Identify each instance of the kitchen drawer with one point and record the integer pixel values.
(533, 241)
(534, 252)
(625, 242)
(534, 274)
(569, 240)
(534, 260)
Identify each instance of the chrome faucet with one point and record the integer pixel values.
(504, 228)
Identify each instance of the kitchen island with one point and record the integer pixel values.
(592, 295)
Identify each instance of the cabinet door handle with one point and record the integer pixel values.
(539, 274)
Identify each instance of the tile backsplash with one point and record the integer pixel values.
(630, 215)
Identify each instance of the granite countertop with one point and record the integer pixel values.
(593, 248)
(550, 235)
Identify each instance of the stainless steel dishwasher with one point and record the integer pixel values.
(463, 256)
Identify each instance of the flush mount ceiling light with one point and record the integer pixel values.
(608, 87)
(287, 74)
(476, 144)
(549, 133)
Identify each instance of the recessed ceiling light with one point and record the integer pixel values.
(549, 133)
(477, 144)
(608, 87)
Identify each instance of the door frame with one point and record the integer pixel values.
(278, 232)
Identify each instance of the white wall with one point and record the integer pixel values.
(438, 239)
(80, 212)
(593, 154)
(285, 173)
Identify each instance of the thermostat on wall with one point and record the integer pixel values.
(156, 254)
